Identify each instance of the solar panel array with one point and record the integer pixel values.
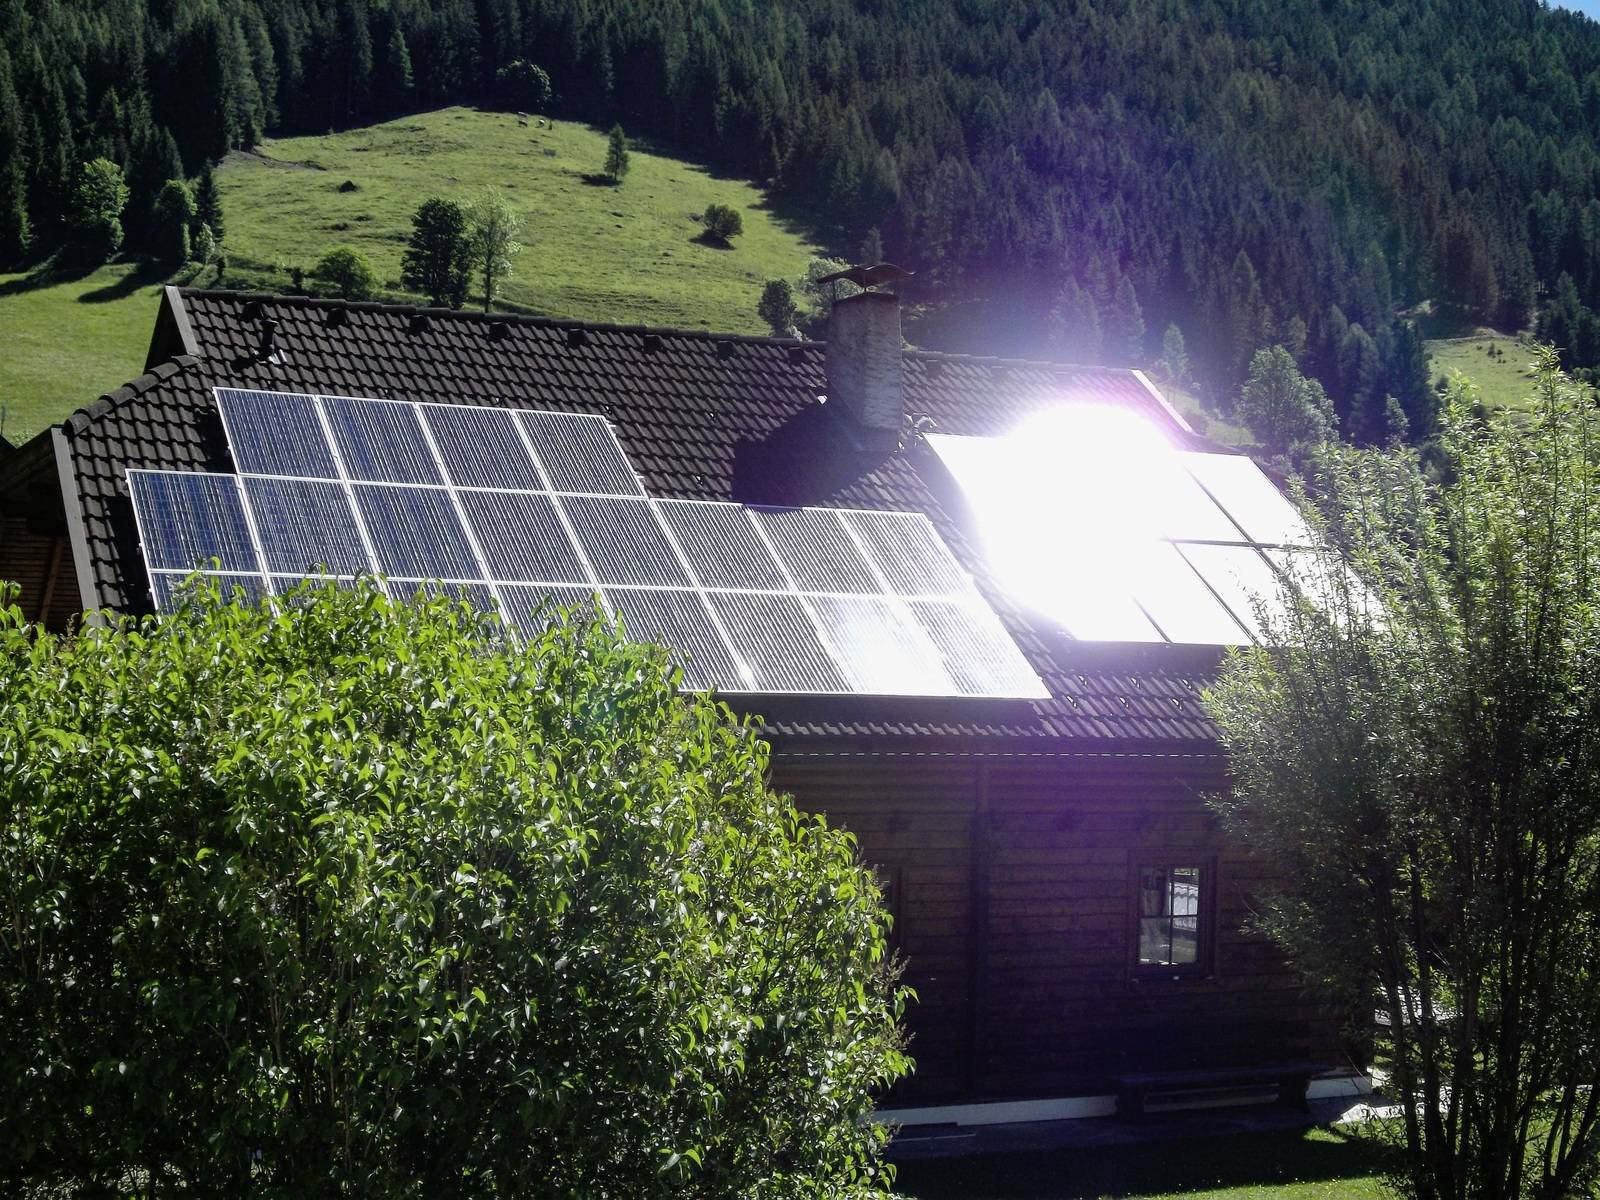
(1212, 536)
(513, 510)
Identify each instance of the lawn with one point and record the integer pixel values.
(629, 254)
(70, 338)
(603, 253)
(1318, 1164)
(1502, 377)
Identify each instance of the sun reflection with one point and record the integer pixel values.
(1067, 512)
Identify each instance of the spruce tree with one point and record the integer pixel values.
(617, 154)
(208, 204)
(438, 262)
(397, 79)
(15, 231)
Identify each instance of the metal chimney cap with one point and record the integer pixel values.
(868, 277)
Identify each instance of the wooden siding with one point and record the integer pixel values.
(41, 565)
(1015, 915)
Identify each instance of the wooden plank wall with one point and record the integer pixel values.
(41, 564)
(1037, 855)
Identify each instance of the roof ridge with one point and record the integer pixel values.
(545, 321)
(132, 390)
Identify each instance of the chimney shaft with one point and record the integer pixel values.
(864, 367)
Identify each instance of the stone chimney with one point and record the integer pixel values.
(864, 368)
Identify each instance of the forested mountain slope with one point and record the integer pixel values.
(1251, 171)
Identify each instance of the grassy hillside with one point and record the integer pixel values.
(1498, 363)
(590, 250)
(625, 254)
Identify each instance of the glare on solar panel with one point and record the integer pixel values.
(909, 553)
(680, 620)
(774, 635)
(1175, 506)
(883, 653)
(415, 533)
(1250, 498)
(978, 653)
(1179, 601)
(817, 550)
(481, 447)
(580, 454)
(305, 525)
(522, 537)
(169, 587)
(380, 441)
(188, 520)
(624, 541)
(722, 546)
(275, 433)
(1242, 578)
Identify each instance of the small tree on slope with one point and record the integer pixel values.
(492, 228)
(361, 899)
(1423, 761)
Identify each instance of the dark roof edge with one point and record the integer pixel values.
(784, 748)
(172, 296)
(77, 535)
(457, 314)
(131, 390)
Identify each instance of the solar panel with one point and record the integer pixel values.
(775, 637)
(1154, 545)
(534, 510)
(522, 537)
(883, 653)
(168, 587)
(624, 541)
(275, 433)
(908, 553)
(532, 608)
(579, 454)
(977, 651)
(481, 447)
(681, 620)
(380, 441)
(817, 550)
(1252, 500)
(188, 521)
(722, 546)
(305, 525)
(415, 533)
(1178, 600)
(1241, 577)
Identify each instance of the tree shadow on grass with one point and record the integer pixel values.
(706, 238)
(47, 274)
(144, 275)
(597, 179)
(1270, 1160)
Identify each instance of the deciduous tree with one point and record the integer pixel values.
(348, 272)
(359, 898)
(1419, 754)
(492, 228)
(1286, 411)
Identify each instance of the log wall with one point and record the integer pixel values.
(1014, 889)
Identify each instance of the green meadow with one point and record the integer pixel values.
(590, 250)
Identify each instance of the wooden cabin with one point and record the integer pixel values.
(1069, 913)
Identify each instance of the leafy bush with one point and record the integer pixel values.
(522, 84)
(348, 272)
(722, 222)
(777, 308)
(174, 214)
(360, 898)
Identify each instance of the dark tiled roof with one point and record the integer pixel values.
(702, 416)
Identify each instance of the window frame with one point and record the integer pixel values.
(1203, 966)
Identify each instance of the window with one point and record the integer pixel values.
(1172, 917)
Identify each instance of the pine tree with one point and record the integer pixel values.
(397, 81)
(617, 154)
(155, 160)
(1125, 329)
(208, 204)
(16, 234)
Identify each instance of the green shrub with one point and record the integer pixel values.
(358, 898)
(347, 272)
(722, 222)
